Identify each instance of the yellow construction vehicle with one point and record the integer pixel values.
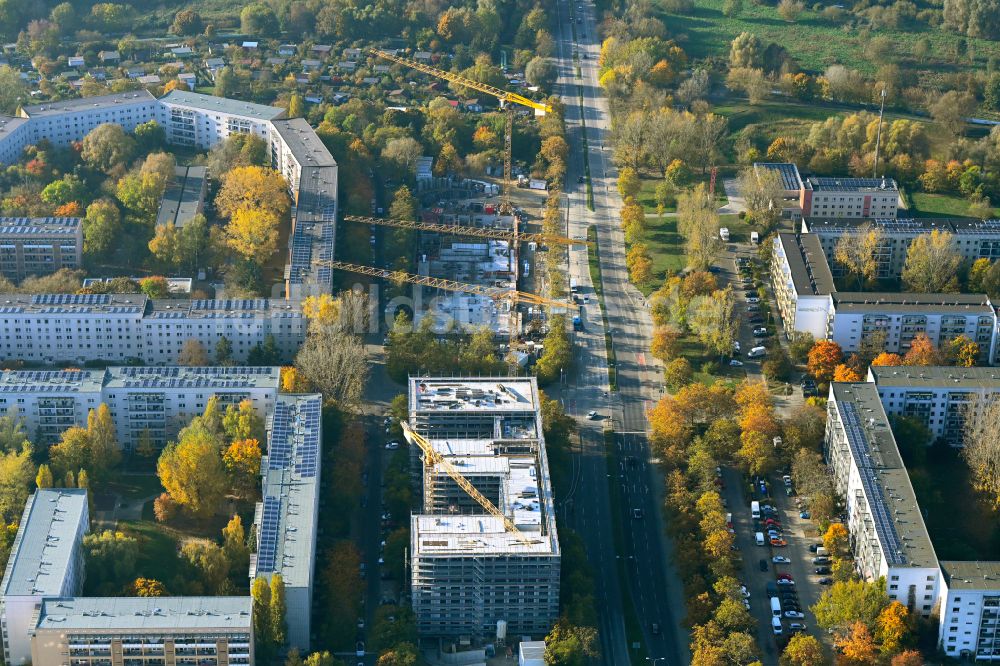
(498, 234)
(432, 458)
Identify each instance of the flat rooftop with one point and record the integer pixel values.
(906, 226)
(184, 196)
(305, 145)
(936, 376)
(286, 518)
(44, 545)
(86, 104)
(10, 124)
(235, 377)
(807, 264)
(971, 575)
(828, 184)
(790, 178)
(184, 614)
(51, 381)
(74, 304)
(863, 301)
(469, 394)
(449, 535)
(899, 525)
(233, 107)
(13, 227)
(203, 308)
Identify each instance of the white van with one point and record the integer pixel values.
(755, 509)
(757, 352)
(759, 538)
(754, 237)
(724, 234)
(776, 626)
(775, 607)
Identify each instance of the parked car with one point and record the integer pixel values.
(753, 299)
(822, 570)
(781, 559)
(392, 446)
(814, 546)
(785, 581)
(736, 363)
(797, 626)
(592, 414)
(784, 576)
(778, 543)
(763, 565)
(821, 560)
(805, 515)
(795, 614)
(760, 332)
(826, 581)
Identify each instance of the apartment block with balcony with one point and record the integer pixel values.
(69, 120)
(887, 531)
(138, 631)
(849, 197)
(937, 396)
(201, 121)
(39, 245)
(970, 611)
(802, 284)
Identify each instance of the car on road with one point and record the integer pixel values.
(744, 591)
(794, 614)
(781, 559)
(755, 319)
(797, 626)
(655, 628)
(825, 581)
(736, 345)
(579, 179)
(778, 543)
(814, 546)
(359, 649)
(753, 299)
(763, 565)
(760, 332)
(785, 581)
(392, 446)
(592, 414)
(784, 576)
(821, 560)
(637, 513)
(823, 571)
(736, 363)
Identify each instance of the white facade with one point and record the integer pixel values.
(70, 120)
(887, 531)
(802, 285)
(154, 400)
(849, 197)
(76, 328)
(45, 561)
(192, 119)
(970, 611)
(937, 396)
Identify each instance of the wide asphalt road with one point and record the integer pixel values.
(649, 575)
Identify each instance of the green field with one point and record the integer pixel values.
(817, 43)
(938, 205)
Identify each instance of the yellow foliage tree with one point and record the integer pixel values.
(253, 188)
(253, 233)
(192, 471)
(857, 647)
(891, 628)
(323, 309)
(292, 380)
(835, 539)
(846, 373)
(242, 461)
(148, 587)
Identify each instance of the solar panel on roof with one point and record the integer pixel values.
(267, 552)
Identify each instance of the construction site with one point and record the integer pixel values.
(484, 552)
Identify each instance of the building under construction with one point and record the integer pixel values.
(472, 570)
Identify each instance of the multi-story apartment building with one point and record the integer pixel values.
(849, 197)
(937, 396)
(970, 611)
(887, 531)
(808, 301)
(286, 518)
(201, 121)
(167, 324)
(70, 120)
(792, 183)
(302, 158)
(45, 561)
(972, 239)
(802, 284)
(902, 316)
(77, 328)
(39, 245)
(467, 570)
(13, 138)
(153, 401)
(126, 631)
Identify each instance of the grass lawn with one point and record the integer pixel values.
(942, 485)
(697, 356)
(816, 43)
(938, 205)
(134, 486)
(158, 552)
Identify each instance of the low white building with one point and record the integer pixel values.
(45, 561)
(970, 611)
(937, 396)
(887, 531)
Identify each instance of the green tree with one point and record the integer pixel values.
(192, 472)
(13, 90)
(260, 594)
(296, 106)
(149, 136)
(404, 205)
(187, 22)
(107, 146)
(259, 19)
(209, 563)
(103, 450)
(110, 559)
(17, 474)
(732, 8)
(569, 645)
(932, 263)
(747, 51)
(541, 72)
(44, 477)
(101, 227)
(851, 601)
(223, 351)
(225, 82)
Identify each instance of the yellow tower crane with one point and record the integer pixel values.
(495, 293)
(498, 234)
(432, 458)
(506, 98)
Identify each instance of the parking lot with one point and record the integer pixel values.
(799, 533)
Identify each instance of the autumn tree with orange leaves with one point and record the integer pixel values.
(886, 358)
(846, 373)
(823, 359)
(856, 647)
(666, 342)
(922, 352)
